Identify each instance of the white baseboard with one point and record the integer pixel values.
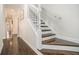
(57, 47)
(61, 36)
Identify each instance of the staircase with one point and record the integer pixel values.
(49, 39)
(47, 34)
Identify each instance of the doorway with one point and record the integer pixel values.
(13, 14)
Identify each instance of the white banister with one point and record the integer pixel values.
(35, 17)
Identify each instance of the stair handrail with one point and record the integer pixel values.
(33, 16)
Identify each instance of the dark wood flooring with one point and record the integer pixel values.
(22, 48)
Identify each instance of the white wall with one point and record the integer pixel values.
(2, 27)
(69, 23)
(26, 31)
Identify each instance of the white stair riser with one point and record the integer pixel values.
(46, 32)
(43, 25)
(57, 47)
(45, 28)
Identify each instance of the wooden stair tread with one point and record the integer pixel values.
(47, 35)
(43, 23)
(48, 41)
(58, 52)
(44, 26)
(46, 30)
(61, 42)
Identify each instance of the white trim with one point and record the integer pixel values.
(57, 47)
(67, 38)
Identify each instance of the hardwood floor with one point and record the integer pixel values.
(24, 49)
(10, 47)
